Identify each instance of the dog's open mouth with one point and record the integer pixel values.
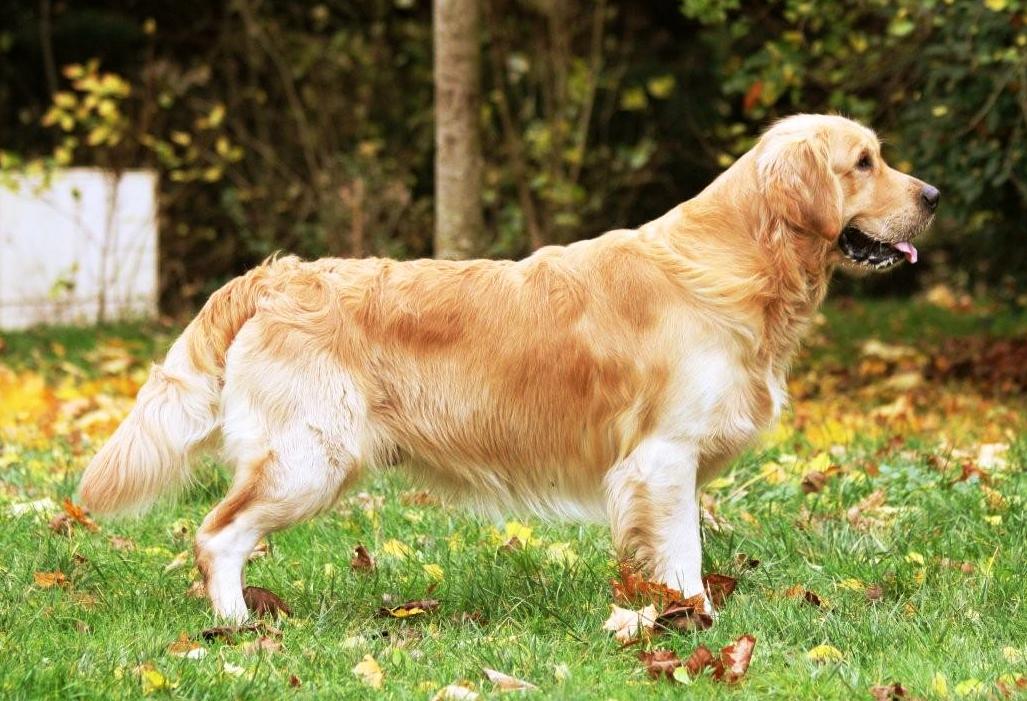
(868, 252)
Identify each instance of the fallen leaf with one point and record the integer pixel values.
(824, 653)
(969, 687)
(46, 580)
(362, 560)
(813, 482)
(294, 681)
(233, 669)
(184, 647)
(455, 692)
(686, 614)
(734, 659)
(262, 644)
(719, 587)
(632, 588)
(746, 562)
(660, 663)
(396, 549)
(875, 593)
(507, 683)
(369, 672)
(228, 633)
(120, 543)
(891, 692)
(152, 680)
(264, 602)
(625, 624)
(700, 659)
(39, 506)
(409, 608)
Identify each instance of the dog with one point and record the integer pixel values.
(609, 378)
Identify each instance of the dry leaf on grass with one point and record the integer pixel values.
(891, 692)
(120, 543)
(455, 692)
(686, 614)
(369, 672)
(719, 587)
(632, 588)
(47, 580)
(262, 644)
(184, 647)
(362, 560)
(730, 667)
(228, 633)
(626, 624)
(504, 682)
(409, 608)
(660, 663)
(72, 515)
(734, 659)
(264, 602)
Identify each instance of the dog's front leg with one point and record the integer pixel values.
(654, 513)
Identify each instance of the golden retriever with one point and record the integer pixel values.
(608, 378)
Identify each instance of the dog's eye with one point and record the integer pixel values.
(865, 162)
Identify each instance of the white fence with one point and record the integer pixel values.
(82, 250)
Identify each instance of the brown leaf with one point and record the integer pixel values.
(119, 543)
(264, 602)
(294, 681)
(228, 633)
(719, 587)
(409, 608)
(73, 515)
(814, 482)
(660, 663)
(800, 592)
(700, 659)
(734, 659)
(686, 614)
(812, 599)
(891, 692)
(631, 588)
(746, 562)
(970, 470)
(262, 644)
(507, 683)
(874, 593)
(362, 560)
(512, 545)
(47, 580)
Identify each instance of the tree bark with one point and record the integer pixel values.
(459, 228)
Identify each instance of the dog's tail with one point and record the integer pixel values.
(177, 409)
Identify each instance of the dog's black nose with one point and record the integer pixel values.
(930, 196)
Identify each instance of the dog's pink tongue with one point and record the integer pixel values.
(907, 249)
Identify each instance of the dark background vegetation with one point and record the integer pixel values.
(307, 126)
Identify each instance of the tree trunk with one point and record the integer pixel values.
(459, 229)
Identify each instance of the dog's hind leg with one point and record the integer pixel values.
(654, 511)
(294, 480)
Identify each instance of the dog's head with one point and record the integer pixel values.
(825, 176)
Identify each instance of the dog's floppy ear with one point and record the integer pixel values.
(797, 181)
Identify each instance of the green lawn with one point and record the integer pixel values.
(948, 554)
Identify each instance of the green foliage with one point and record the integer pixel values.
(944, 82)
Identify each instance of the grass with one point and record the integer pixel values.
(534, 615)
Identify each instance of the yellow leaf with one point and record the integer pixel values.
(514, 529)
(455, 542)
(396, 549)
(824, 653)
(369, 672)
(996, 5)
(995, 520)
(914, 558)
(773, 473)
(939, 684)
(561, 553)
(1012, 655)
(153, 680)
(434, 572)
(720, 483)
(969, 687)
(851, 584)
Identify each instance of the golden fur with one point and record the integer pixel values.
(609, 377)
